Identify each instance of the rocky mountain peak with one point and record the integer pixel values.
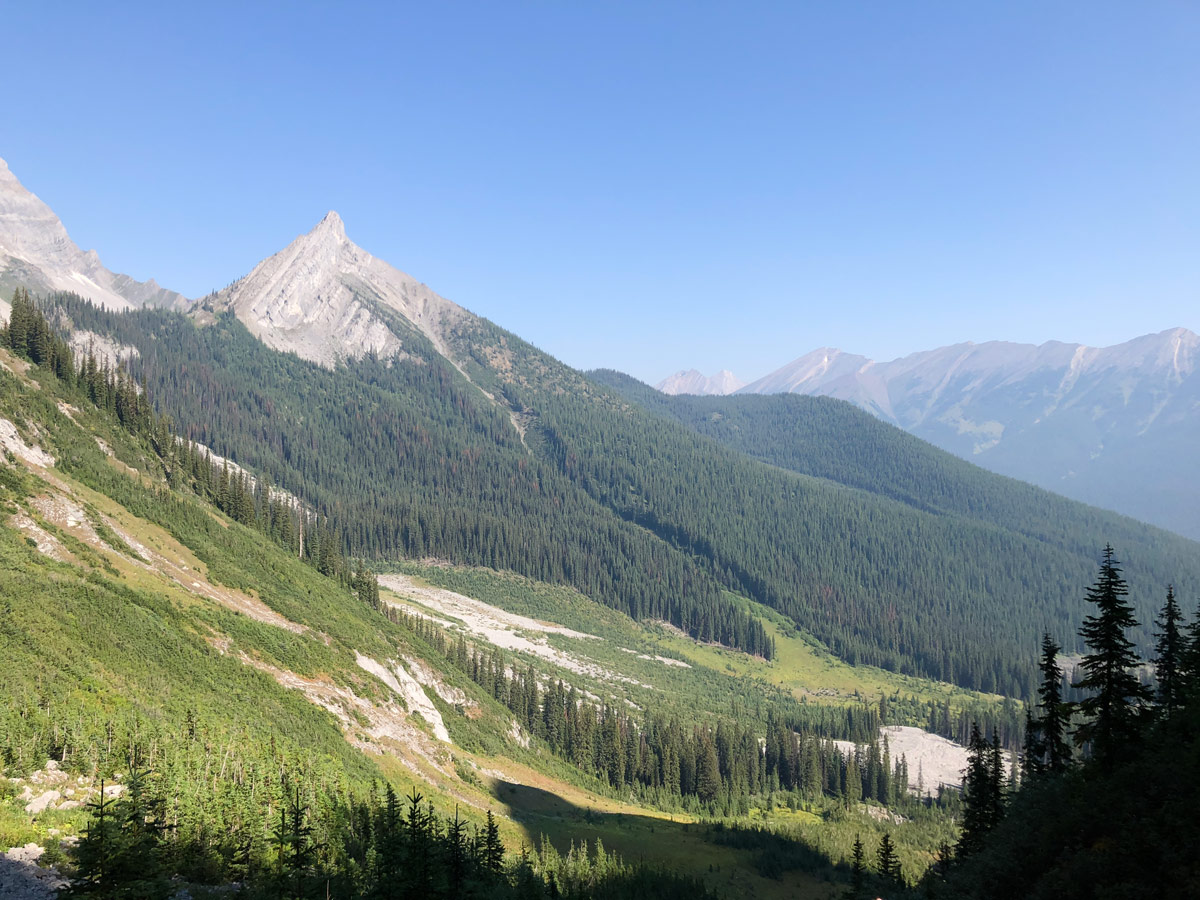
(36, 252)
(325, 298)
(692, 381)
(332, 224)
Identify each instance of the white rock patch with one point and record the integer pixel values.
(405, 685)
(103, 348)
(665, 660)
(11, 440)
(506, 630)
(932, 759)
(47, 544)
(428, 678)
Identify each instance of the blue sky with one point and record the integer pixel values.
(646, 186)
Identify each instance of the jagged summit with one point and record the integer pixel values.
(333, 224)
(325, 298)
(37, 252)
(1170, 354)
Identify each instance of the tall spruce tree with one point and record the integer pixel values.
(1168, 652)
(1055, 712)
(1033, 749)
(887, 864)
(1189, 659)
(978, 794)
(1116, 696)
(858, 870)
(997, 795)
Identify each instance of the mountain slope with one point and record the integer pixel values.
(1114, 426)
(35, 252)
(831, 439)
(458, 440)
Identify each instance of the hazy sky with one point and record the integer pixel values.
(645, 186)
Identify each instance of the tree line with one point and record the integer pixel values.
(707, 769)
(379, 847)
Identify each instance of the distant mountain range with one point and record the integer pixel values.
(1117, 426)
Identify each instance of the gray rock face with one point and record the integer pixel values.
(36, 252)
(325, 298)
(22, 879)
(1117, 426)
(694, 382)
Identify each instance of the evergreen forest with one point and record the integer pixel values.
(558, 478)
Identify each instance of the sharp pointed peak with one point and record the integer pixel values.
(332, 223)
(6, 174)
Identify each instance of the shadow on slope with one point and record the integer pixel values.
(734, 861)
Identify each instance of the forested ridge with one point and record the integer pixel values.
(280, 802)
(631, 508)
(409, 460)
(835, 441)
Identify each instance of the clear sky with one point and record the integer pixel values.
(645, 186)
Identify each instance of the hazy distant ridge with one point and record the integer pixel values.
(1114, 426)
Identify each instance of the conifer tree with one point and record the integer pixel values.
(1189, 659)
(1116, 697)
(709, 776)
(493, 849)
(99, 846)
(886, 862)
(1168, 649)
(1056, 712)
(978, 794)
(1033, 748)
(996, 791)
(858, 870)
(293, 839)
